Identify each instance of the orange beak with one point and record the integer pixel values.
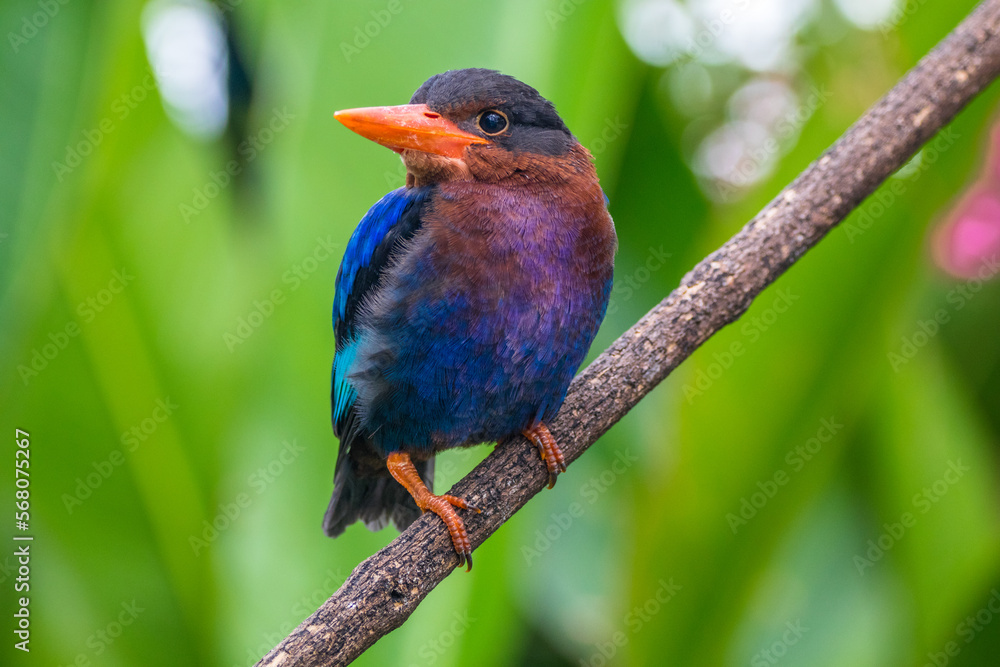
(412, 126)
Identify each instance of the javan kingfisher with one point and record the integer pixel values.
(467, 299)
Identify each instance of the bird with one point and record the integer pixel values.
(467, 299)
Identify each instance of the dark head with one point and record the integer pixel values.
(470, 124)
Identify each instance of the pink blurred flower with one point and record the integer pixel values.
(971, 238)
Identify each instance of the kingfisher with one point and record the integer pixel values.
(467, 299)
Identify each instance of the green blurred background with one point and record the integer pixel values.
(166, 339)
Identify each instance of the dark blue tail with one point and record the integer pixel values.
(364, 490)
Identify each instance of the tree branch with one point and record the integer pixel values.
(384, 590)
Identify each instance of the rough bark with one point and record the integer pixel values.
(385, 589)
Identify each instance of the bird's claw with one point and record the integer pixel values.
(549, 450)
(402, 469)
(458, 502)
(444, 506)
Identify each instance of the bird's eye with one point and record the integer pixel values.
(492, 121)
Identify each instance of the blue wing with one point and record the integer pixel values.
(390, 222)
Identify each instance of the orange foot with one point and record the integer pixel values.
(549, 449)
(402, 469)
